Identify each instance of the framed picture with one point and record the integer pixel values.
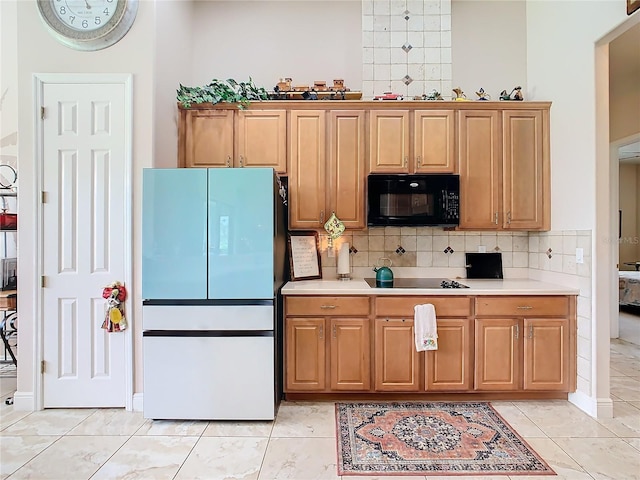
(632, 6)
(304, 255)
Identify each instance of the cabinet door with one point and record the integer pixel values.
(261, 139)
(434, 141)
(206, 138)
(396, 358)
(546, 354)
(389, 141)
(480, 170)
(347, 174)
(350, 357)
(305, 354)
(449, 367)
(497, 354)
(307, 181)
(523, 170)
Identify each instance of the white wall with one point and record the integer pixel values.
(39, 52)
(267, 40)
(561, 38)
(565, 62)
(172, 67)
(489, 42)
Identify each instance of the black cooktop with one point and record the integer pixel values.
(420, 283)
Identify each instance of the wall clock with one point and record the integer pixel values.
(88, 24)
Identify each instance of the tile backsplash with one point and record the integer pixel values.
(417, 250)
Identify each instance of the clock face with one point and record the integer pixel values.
(88, 24)
(85, 15)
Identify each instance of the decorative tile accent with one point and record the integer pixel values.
(400, 250)
(406, 47)
(496, 248)
(407, 79)
(449, 250)
(549, 253)
(353, 250)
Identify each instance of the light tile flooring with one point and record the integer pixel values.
(300, 444)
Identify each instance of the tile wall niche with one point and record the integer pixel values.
(406, 47)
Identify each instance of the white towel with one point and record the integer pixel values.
(425, 327)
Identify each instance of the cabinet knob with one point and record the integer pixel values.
(321, 332)
(524, 307)
(229, 161)
(508, 218)
(321, 216)
(419, 161)
(241, 161)
(406, 161)
(530, 331)
(495, 218)
(517, 331)
(328, 306)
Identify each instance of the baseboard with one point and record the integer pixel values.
(137, 402)
(24, 401)
(596, 407)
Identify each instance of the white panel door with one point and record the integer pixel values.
(84, 244)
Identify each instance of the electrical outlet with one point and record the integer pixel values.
(331, 252)
(579, 255)
(482, 249)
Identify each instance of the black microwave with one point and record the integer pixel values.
(413, 200)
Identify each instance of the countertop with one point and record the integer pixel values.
(476, 287)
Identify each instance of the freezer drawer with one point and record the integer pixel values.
(208, 377)
(207, 317)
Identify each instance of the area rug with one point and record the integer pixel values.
(435, 438)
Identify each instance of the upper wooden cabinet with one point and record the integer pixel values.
(525, 170)
(326, 168)
(499, 149)
(396, 147)
(504, 169)
(480, 184)
(233, 138)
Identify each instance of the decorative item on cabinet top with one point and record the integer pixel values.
(284, 90)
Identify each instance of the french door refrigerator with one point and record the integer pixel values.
(213, 260)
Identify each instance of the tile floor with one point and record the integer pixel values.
(300, 444)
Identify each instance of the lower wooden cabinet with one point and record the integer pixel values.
(350, 354)
(525, 343)
(450, 367)
(304, 354)
(546, 354)
(396, 359)
(497, 354)
(485, 344)
(348, 343)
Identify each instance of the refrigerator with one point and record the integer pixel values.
(213, 264)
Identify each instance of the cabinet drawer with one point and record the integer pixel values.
(327, 306)
(522, 306)
(449, 306)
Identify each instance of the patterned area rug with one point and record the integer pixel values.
(435, 438)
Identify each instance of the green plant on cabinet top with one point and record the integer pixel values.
(229, 91)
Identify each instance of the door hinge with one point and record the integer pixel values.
(42, 115)
(42, 366)
(44, 197)
(43, 281)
